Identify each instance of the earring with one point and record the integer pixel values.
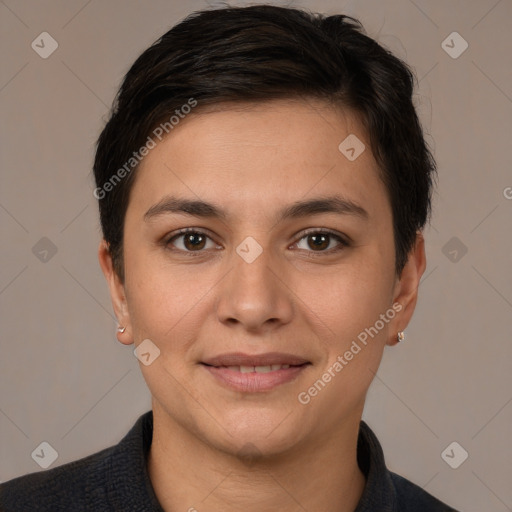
(400, 336)
(121, 329)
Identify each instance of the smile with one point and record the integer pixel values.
(256, 373)
(258, 369)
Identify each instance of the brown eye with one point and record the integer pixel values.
(321, 241)
(191, 241)
(318, 241)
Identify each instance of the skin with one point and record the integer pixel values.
(215, 448)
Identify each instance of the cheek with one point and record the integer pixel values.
(166, 303)
(156, 299)
(349, 299)
(347, 316)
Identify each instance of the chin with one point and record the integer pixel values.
(253, 433)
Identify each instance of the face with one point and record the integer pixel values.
(272, 311)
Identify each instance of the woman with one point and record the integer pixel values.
(263, 183)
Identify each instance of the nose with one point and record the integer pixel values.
(255, 295)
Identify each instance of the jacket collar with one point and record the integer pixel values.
(127, 467)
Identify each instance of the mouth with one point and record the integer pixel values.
(255, 373)
(256, 369)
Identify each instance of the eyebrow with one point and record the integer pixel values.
(197, 208)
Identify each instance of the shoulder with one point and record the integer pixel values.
(77, 485)
(114, 478)
(412, 497)
(386, 490)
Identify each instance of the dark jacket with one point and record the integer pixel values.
(116, 479)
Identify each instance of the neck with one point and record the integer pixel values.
(189, 475)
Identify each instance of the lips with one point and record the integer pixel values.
(257, 360)
(255, 373)
(256, 369)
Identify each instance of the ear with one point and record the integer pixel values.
(117, 293)
(406, 288)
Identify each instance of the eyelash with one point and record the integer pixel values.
(343, 243)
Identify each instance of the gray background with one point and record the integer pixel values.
(64, 378)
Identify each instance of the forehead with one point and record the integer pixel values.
(263, 155)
